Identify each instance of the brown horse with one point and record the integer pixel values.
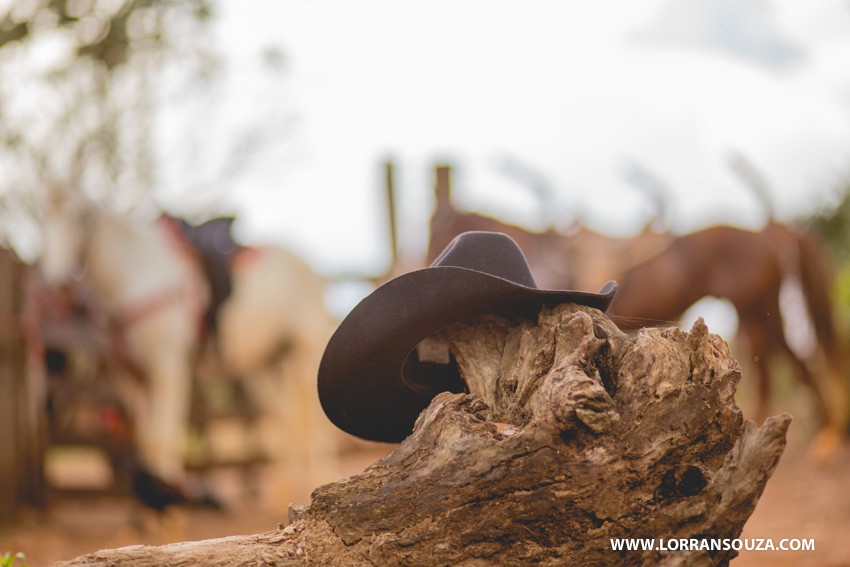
(661, 276)
(552, 255)
(747, 269)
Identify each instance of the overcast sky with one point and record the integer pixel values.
(574, 92)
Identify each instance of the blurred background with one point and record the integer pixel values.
(606, 137)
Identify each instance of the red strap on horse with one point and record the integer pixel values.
(244, 257)
(190, 291)
(149, 305)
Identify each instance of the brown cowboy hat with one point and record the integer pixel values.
(374, 381)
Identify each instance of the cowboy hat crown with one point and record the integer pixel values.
(491, 253)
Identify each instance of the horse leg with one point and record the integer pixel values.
(170, 390)
(133, 394)
(840, 397)
(804, 376)
(322, 448)
(756, 339)
(828, 438)
(827, 441)
(308, 456)
(833, 387)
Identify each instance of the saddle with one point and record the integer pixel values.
(212, 241)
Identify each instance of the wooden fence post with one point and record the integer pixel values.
(22, 411)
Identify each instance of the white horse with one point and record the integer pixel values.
(156, 293)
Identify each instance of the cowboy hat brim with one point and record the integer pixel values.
(361, 387)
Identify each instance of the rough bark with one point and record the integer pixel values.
(573, 433)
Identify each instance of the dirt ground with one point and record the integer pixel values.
(802, 500)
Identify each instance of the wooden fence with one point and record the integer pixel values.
(22, 400)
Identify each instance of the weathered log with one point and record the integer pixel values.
(574, 433)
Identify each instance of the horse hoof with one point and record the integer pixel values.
(825, 445)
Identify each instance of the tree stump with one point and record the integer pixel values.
(573, 433)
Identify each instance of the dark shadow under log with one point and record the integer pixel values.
(573, 434)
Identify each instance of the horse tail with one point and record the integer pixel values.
(816, 277)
